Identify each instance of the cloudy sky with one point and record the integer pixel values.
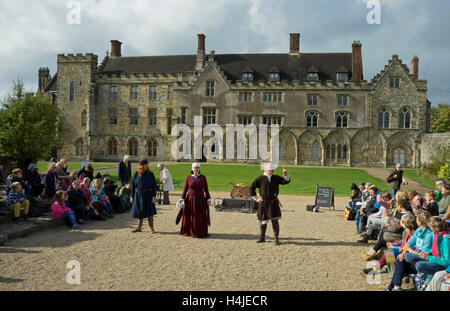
(34, 32)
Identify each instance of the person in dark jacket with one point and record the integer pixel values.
(368, 209)
(51, 181)
(143, 195)
(395, 179)
(110, 190)
(79, 204)
(124, 171)
(34, 180)
(86, 171)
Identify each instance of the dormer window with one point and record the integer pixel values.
(274, 75)
(342, 74)
(247, 76)
(313, 74)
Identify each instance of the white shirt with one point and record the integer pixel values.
(166, 179)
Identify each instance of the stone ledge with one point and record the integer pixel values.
(24, 229)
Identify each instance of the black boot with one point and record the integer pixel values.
(262, 237)
(276, 231)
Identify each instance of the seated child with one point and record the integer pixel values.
(378, 219)
(439, 258)
(16, 201)
(98, 195)
(408, 222)
(17, 176)
(61, 211)
(124, 194)
(432, 206)
(110, 190)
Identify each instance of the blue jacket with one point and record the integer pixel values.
(422, 240)
(124, 171)
(13, 198)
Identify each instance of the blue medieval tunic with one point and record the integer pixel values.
(143, 189)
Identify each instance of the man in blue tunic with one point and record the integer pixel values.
(143, 195)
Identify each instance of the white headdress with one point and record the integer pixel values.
(196, 164)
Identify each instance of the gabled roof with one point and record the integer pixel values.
(342, 69)
(290, 67)
(312, 69)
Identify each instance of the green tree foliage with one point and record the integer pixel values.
(440, 118)
(29, 125)
(444, 172)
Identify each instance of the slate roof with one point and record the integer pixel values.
(291, 67)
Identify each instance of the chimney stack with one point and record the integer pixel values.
(357, 71)
(415, 67)
(201, 55)
(294, 44)
(116, 48)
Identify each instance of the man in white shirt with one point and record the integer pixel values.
(166, 180)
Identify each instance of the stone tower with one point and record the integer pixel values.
(44, 78)
(76, 95)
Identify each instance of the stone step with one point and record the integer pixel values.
(24, 229)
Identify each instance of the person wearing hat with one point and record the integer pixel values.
(269, 205)
(166, 180)
(395, 179)
(143, 196)
(34, 180)
(196, 198)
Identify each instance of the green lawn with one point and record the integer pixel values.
(303, 180)
(412, 174)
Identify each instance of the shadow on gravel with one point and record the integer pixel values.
(322, 243)
(69, 238)
(9, 280)
(12, 250)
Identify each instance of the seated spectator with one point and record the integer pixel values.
(432, 206)
(98, 194)
(420, 243)
(61, 211)
(110, 190)
(367, 209)
(78, 203)
(3, 239)
(438, 281)
(392, 231)
(34, 180)
(376, 220)
(439, 259)
(53, 160)
(16, 201)
(17, 176)
(74, 175)
(65, 180)
(417, 201)
(84, 186)
(2, 175)
(408, 223)
(125, 194)
(445, 201)
(86, 171)
(439, 184)
(51, 181)
(64, 166)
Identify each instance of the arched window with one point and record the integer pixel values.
(72, 91)
(133, 147)
(400, 156)
(344, 152)
(339, 152)
(152, 148)
(315, 150)
(342, 119)
(79, 148)
(383, 119)
(112, 146)
(281, 149)
(333, 152)
(311, 118)
(404, 118)
(328, 152)
(83, 118)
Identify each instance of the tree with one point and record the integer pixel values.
(29, 125)
(440, 118)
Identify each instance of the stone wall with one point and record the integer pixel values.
(432, 144)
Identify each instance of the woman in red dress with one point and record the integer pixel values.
(196, 199)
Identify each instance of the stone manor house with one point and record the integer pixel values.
(328, 114)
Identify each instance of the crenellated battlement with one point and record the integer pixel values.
(77, 58)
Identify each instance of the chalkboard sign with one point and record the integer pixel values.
(324, 197)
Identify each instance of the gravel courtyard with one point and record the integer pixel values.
(318, 252)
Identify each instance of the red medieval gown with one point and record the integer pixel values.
(196, 211)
